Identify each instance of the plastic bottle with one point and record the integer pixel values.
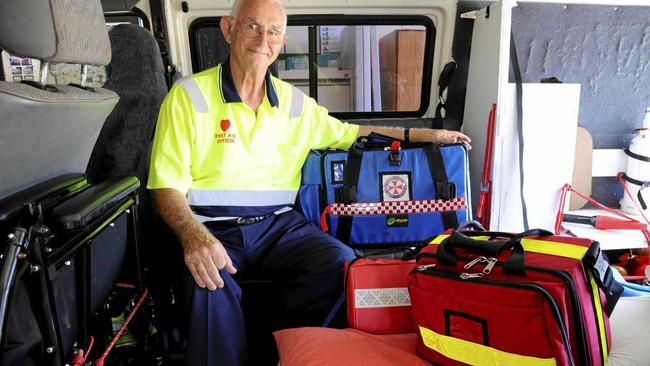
(637, 168)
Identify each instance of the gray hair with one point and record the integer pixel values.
(236, 7)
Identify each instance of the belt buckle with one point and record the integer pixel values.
(251, 219)
(244, 220)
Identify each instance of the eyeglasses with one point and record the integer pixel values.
(252, 30)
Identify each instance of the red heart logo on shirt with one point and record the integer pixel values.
(225, 125)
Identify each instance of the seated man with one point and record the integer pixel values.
(225, 168)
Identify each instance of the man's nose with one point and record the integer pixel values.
(263, 37)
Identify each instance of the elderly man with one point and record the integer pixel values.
(225, 169)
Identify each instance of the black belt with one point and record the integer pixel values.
(244, 220)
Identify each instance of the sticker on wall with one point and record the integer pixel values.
(395, 187)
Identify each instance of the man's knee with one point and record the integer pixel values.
(331, 258)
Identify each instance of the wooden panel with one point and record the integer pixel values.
(388, 67)
(401, 60)
(410, 57)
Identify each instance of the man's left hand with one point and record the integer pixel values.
(445, 137)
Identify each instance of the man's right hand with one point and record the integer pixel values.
(204, 260)
(204, 255)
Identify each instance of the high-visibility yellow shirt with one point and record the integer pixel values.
(213, 147)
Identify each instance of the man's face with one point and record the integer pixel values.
(257, 34)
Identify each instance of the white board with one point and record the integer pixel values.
(550, 122)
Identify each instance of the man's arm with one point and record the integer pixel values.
(418, 134)
(204, 254)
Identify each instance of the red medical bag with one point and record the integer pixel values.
(377, 297)
(498, 299)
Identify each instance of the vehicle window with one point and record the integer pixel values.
(356, 66)
(360, 68)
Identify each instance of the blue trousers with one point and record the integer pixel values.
(284, 248)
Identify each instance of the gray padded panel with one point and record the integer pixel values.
(43, 139)
(118, 5)
(72, 31)
(17, 16)
(66, 93)
(81, 32)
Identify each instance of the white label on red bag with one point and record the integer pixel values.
(381, 297)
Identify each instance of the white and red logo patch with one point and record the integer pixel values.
(223, 136)
(396, 187)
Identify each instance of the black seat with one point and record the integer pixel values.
(136, 74)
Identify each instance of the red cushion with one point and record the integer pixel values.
(349, 347)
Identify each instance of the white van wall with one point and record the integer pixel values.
(442, 13)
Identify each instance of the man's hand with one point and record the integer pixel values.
(204, 255)
(444, 136)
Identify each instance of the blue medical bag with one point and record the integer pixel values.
(384, 192)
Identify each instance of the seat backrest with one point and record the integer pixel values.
(136, 74)
(49, 131)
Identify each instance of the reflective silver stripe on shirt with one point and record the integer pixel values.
(216, 197)
(297, 98)
(194, 92)
(202, 218)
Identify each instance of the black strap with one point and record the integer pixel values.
(642, 185)
(444, 189)
(335, 309)
(348, 193)
(514, 62)
(322, 191)
(159, 32)
(471, 225)
(515, 264)
(596, 262)
(443, 82)
(636, 156)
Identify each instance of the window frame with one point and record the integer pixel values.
(196, 26)
(135, 12)
(312, 21)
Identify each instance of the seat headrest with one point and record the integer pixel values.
(72, 31)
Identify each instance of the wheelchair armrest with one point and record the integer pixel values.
(59, 186)
(93, 202)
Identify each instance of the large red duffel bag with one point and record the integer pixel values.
(531, 299)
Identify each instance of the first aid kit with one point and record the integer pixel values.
(377, 297)
(384, 192)
(484, 298)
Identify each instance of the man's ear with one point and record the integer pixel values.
(225, 23)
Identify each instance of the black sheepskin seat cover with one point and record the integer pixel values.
(136, 74)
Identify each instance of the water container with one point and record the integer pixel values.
(637, 173)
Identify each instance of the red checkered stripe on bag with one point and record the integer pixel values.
(396, 207)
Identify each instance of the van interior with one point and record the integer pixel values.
(82, 82)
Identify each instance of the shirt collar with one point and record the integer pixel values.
(229, 91)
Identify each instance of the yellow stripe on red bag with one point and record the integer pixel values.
(477, 354)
